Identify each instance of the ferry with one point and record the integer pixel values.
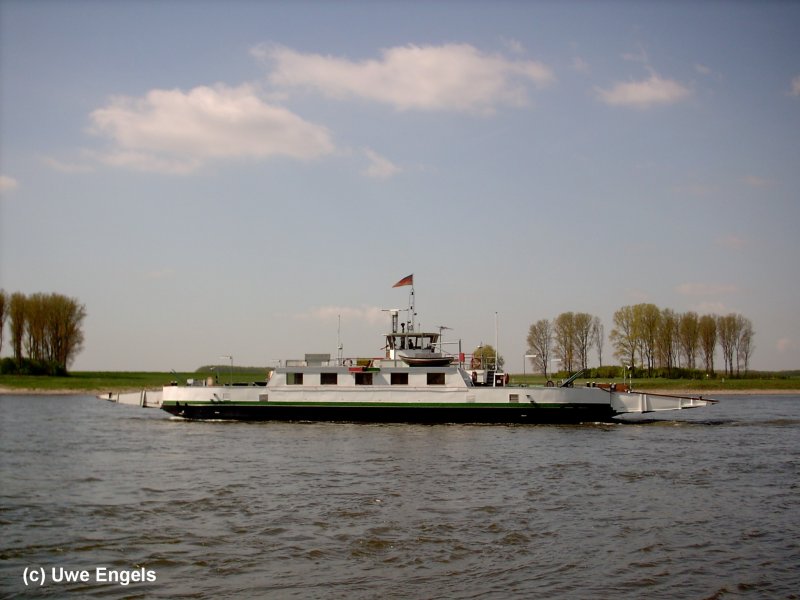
(415, 381)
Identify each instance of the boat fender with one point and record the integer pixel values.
(505, 379)
(550, 383)
(474, 377)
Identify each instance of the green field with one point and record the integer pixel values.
(106, 381)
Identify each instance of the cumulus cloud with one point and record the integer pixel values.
(649, 92)
(706, 289)
(448, 77)
(178, 132)
(7, 183)
(379, 167)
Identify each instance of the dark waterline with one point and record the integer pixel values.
(699, 504)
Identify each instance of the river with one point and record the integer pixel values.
(108, 501)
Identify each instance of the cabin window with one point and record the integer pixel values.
(363, 378)
(294, 379)
(435, 378)
(399, 378)
(328, 379)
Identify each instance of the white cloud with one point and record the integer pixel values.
(380, 167)
(580, 65)
(65, 167)
(7, 183)
(177, 132)
(706, 289)
(795, 89)
(702, 69)
(643, 94)
(449, 77)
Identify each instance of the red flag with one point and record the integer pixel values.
(405, 281)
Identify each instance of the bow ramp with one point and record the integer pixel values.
(643, 402)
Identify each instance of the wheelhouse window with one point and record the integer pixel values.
(294, 379)
(399, 378)
(328, 379)
(435, 378)
(363, 378)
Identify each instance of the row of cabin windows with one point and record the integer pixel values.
(363, 378)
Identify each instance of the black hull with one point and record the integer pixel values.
(567, 414)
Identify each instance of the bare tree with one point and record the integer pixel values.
(583, 337)
(598, 338)
(707, 329)
(667, 342)
(744, 345)
(16, 320)
(540, 341)
(689, 336)
(727, 327)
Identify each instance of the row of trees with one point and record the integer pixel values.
(666, 339)
(644, 335)
(568, 338)
(45, 329)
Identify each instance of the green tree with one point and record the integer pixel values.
(486, 357)
(564, 336)
(624, 336)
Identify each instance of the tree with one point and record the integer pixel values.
(564, 334)
(598, 338)
(647, 319)
(3, 315)
(48, 327)
(667, 342)
(64, 336)
(540, 340)
(623, 336)
(727, 327)
(16, 317)
(582, 323)
(485, 355)
(689, 337)
(707, 329)
(744, 345)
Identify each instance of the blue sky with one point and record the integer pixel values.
(228, 178)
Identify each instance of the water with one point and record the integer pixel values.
(705, 504)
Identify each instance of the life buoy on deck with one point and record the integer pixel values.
(505, 379)
(474, 377)
(550, 383)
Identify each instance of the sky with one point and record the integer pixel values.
(249, 179)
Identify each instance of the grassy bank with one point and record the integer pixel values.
(108, 381)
